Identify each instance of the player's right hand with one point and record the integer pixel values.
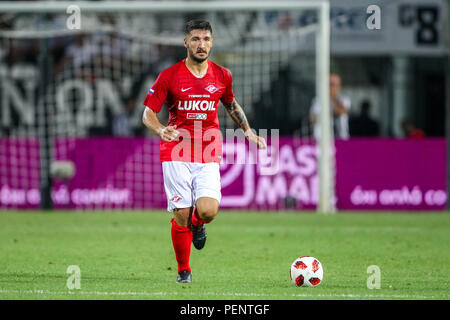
(169, 133)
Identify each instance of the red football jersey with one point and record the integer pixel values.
(193, 104)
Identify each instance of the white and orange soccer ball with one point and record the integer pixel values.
(306, 272)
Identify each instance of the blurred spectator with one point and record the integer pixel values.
(81, 52)
(411, 131)
(6, 21)
(122, 121)
(121, 125)
(340, 106)
(363, 125)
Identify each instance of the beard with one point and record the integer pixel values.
(197, 59)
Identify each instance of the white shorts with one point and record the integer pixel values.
(185, 182)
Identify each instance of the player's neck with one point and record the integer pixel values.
(198, 69)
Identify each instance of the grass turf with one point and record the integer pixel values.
(129, 255)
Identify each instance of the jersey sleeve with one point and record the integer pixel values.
(157, 95)
(228, 94)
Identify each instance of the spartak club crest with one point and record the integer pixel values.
(211, 88)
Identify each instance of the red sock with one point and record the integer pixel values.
(181, 240)
(196, 221)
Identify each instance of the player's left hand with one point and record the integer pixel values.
(259, 141)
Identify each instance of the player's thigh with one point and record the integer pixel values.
(207, 190)
(178, 185)
(206, 181)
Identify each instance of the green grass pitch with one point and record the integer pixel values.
(129, 255)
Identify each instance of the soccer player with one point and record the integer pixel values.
(191, 145)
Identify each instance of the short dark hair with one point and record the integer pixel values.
(197, 24)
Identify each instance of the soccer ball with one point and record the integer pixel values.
(306, 272)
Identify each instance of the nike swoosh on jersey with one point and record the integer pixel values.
(183, 89)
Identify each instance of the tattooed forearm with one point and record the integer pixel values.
(237, 114)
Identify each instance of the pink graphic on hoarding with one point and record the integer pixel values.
(294, 184)
(125, 173)
(391, 174)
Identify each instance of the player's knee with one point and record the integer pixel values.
(207, 211)
(208, 215)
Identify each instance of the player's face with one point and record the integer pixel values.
(198, 44)
(335, 85)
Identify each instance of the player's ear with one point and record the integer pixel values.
(185, 42)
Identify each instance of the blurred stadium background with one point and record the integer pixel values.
(71, 135)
